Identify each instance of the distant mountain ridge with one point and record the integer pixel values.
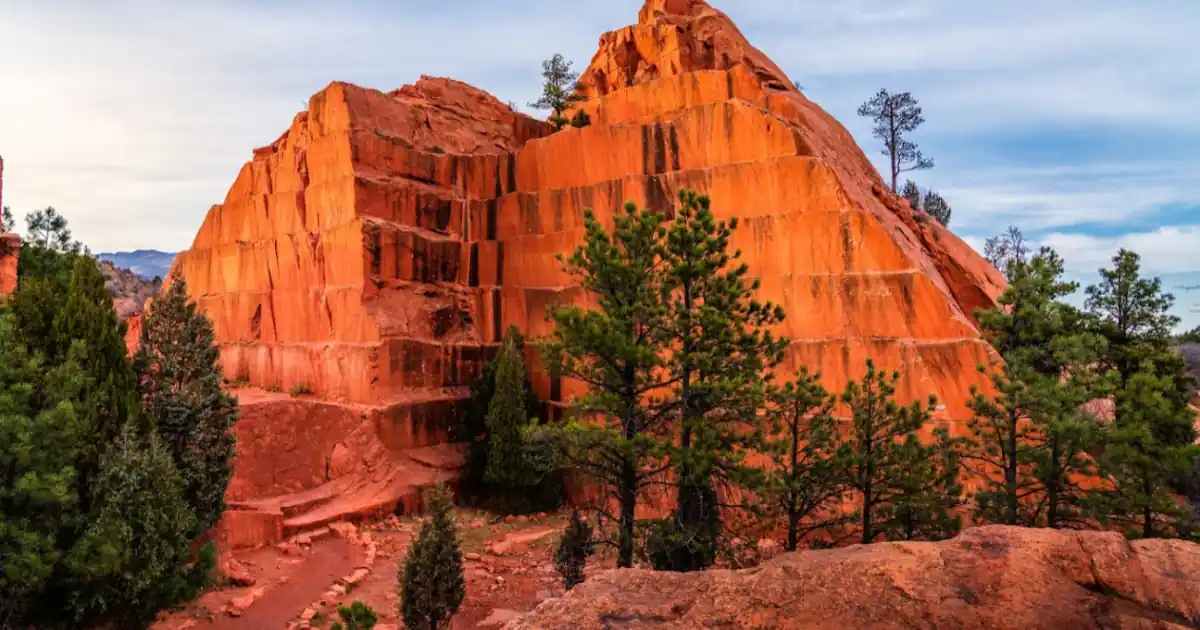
(147, 263)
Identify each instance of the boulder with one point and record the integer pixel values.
(993, 577)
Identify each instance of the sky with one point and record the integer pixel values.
(1075, 120)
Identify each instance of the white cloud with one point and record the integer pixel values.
(1167, 250)
(132, 118)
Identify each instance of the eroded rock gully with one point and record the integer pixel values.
(375, 252)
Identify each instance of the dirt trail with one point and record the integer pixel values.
(280, 603)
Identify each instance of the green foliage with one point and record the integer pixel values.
(7, 222)
(937, 207)
(929, 201)
(180, 386)
(718, 349)
(895, 116)
(40, 439)
(432, 586)
(506, 418)
(135, 551)
(807, 480)
(1033, 441)
(88, 316)
(618, 440)
(48, 252)
(912, 193)
(574, 548)
(1191, 336)
(472, 429)
(927, 491)
(1140, 467)
(94, 526)
(356, 616)
(1030, 316)
(880, 451)
(1133, 315)
(581, 119)
(676, 544)
(558, 89)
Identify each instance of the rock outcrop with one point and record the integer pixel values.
(10, 256)
(129, 291)
(375, 252)
(10, 250)
(994, 577)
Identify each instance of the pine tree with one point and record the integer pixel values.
(618, 442)
(180, 385)
(41, 438)
(937, 207)
(807, 480)
(472, 425)
(506, 419)
(1023, 327)
(48, 252)
(1134, 317)
(88, 316)
(432, 586)
(876, 440)
(718, 351)
(1032, 438)
(1140, 467)
(912, 193)
(574, 548)
(927, 491)
(136, 548)
(895, 116)
(558, 90)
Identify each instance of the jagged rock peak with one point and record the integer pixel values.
(674, 37)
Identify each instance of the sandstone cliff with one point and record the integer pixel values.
(375, 252)
(994, 577)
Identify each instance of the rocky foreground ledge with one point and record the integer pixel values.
(989, 577)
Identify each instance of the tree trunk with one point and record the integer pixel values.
(628, 498)
(1010, 473)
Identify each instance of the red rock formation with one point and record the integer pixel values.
(10, 250)
(375, 252)
(993, 577)
(10, 253)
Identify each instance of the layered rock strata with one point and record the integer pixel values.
(375, 252)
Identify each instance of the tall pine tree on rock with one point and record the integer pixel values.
(881, 451)
(180, 386)
(718, 351)
(806, 484)
(617, 441)
(1023, 329)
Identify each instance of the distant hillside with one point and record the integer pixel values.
(129, 290)
(147, 263)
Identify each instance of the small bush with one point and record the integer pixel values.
(573, 550)
(432, 586)
(300, 389)
(581, 119)
(358, 616)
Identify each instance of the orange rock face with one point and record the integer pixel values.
(992, 577)
(10, 253)
(376, 251)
